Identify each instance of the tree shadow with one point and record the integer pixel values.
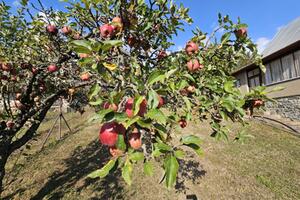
(78, 166)
(190, 170)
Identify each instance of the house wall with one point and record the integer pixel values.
(242, 77)
(291, 88)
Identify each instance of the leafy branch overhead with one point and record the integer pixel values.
(115, 56)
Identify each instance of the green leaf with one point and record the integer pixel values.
(82, 43)
(94, 91)
(137, 104)
(156, 76)
(163, 147)
(126, 172)
(121, 143)
(171, 169)
(225, 37)
(148, 168)
(188, 103)
(157, 115)
(144, 123)
(228, 86)
(136, 156)
(102, 113)
(108, 44)
(179, 154)
(103, 171)
(191, 139)
(131, 121)
(95, 103)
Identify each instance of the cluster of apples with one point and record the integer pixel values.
(110, 30)
(66, 30)
(109, 131)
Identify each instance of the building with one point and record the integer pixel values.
(282, 60)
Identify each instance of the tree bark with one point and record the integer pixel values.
(4, 147)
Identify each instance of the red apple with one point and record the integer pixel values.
(191, 48)
(52, 68)
(4, 78)
(257, 103)
(109, 133)
(194, 65)
(115, 152)
(117, 24)
(52, 29)
(76, 36)
(112, 106)
(36, 99)
(106, 31)
(18, 96)
(161, 55)
(182, 123)
(84, 55)
(19, 105)
(241, 33)
(160, 101)
(129, 107)
(10, 124)
(34, 70)
(6, 67)
(66, 30)
(135, 139)
(143, 108)
(85, 77)
(191, 89)
(13, 78)
(131, 41)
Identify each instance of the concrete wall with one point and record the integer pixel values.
(288, 107)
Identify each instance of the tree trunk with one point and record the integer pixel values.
(4, 147)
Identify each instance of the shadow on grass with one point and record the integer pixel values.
(190, 170)
(73, 178)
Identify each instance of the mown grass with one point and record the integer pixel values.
(266, 166)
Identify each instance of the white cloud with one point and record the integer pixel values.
(16, 3)
(262, 43)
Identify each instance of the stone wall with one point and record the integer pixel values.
(288, 107)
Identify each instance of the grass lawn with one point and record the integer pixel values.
(266, 166)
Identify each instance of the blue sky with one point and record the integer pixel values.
(264, 17)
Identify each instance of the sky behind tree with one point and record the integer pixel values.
(264, 17)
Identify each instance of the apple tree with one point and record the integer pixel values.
(141, 92)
